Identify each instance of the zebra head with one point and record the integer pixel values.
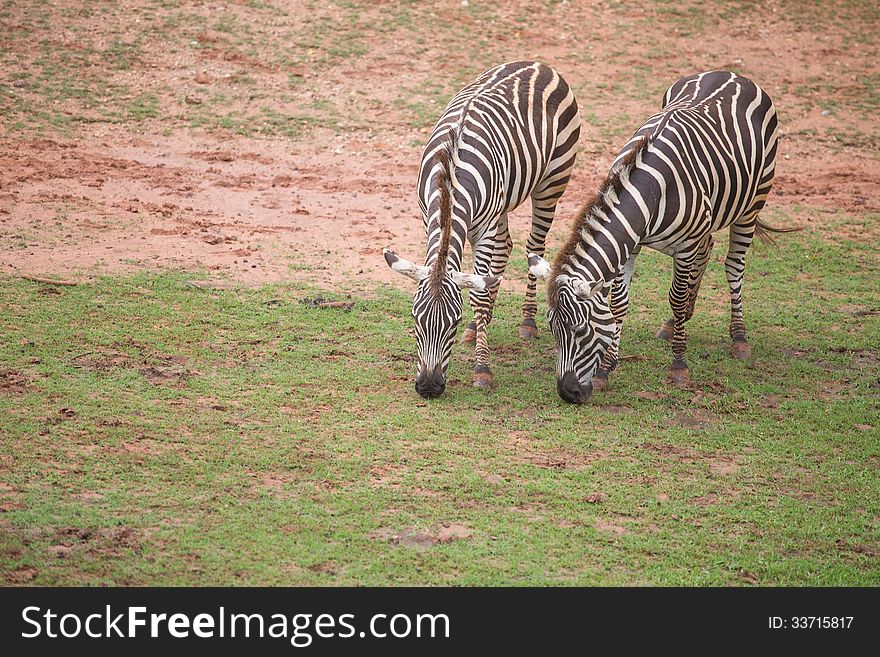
(582, 324)
(436, 308)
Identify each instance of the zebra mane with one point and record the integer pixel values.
(443, 180)
(588, 217)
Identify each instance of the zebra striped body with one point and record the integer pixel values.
(703, 163)
(508, 136)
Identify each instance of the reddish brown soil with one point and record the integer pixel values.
(108, 198)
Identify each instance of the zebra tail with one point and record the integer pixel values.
(444, 181)
(766, 231)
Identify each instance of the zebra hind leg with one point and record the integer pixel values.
(679, 299)
(704, 253)
(528, 329)
(741, 234)
(544, 200)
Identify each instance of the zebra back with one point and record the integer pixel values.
(705, 161)
(498, 138)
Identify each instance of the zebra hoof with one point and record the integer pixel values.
(483, 380)
(680, 378)
(470, 333)
(599, 382)
(666, 331)
(740, 350)
(527, 332)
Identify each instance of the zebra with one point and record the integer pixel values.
(510, 134)
(704, 162)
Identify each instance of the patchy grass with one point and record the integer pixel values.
(67, 66)
(152, 432)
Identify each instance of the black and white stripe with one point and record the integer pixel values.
(508, 136)
(703, 163)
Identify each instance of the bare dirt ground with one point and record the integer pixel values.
(260, 142)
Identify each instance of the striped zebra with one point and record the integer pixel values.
(703, 163)
(509, 135)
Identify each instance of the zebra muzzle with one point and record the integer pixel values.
(571, 390)
(430, 383)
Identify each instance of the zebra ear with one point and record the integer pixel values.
(584, 290)
(474, 281)
(405, 267)
(538, 267)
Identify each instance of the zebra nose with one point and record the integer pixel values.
(571, 390)
(430, 384)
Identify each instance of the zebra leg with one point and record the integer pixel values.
(679, 299)
(666, 330)
(619, 297)
(490, 257)
(701, 261)
(619, 306)
(741, 233)
(482, 371)
(499, 258)
(470, 332)
(543, 210)
(704, 253)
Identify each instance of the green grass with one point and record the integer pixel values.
(156, 433)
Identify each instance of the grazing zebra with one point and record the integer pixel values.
(509, 135)
(703, 163)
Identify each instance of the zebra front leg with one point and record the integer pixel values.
(666, 330)
(619, 307)
(741, 234)
(482, 316)
(608, 364)
(470, 332)
(498, 263)
(619, 302)
(490, 256)
(679, 300)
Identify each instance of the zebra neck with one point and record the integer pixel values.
(610, 234)
(603, 259)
